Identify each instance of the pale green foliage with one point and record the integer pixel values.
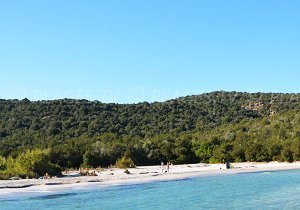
(7, 167)
(30, 164)
(125, 162)
(2, 163)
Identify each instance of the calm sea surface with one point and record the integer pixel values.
(268, 190)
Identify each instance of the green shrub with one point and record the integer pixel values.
(4, 176)
(30, 164)
(3, 165)
(124, 163)
(213, 160)
(287, 154)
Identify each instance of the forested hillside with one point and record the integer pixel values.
(211, 127)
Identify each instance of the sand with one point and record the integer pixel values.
(112, 177)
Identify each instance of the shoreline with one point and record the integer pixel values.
(139, 175)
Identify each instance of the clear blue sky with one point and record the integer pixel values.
(129, 51)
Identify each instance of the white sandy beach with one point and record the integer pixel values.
(138, 175)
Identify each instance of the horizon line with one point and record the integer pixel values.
(149, 102)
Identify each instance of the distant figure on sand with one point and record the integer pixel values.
(162, 167)
(46, 176)
(227, 165)
(168, 167)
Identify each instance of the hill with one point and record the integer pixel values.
(207, 127)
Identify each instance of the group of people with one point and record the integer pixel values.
(167, 170)
(93, 173)
(46, 176)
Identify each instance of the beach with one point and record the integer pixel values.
(142, 174)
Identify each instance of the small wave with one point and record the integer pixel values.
(267, 172)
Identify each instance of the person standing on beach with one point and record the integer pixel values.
(168, 167)
(162, 167)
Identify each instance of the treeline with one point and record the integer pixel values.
(210, 128)
(26, 125)
(275, 138)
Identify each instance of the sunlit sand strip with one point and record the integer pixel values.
(144, 174)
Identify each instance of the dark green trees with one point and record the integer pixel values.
(214, 127)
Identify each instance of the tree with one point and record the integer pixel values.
(3, 165)
(125, 162)
(287, 154)
(34, 163)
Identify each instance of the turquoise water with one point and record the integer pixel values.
(268, 190)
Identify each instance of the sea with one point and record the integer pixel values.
(264, 190)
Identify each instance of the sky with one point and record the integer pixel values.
(128, 51)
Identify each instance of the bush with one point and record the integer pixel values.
(4, 176)
(213, 160)
(287, 155)
(124, 163)
(3, 165)
(30, 164)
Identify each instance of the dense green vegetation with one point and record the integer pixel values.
(214, 127)
(30, 164)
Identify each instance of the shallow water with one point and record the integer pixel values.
(268, 190)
